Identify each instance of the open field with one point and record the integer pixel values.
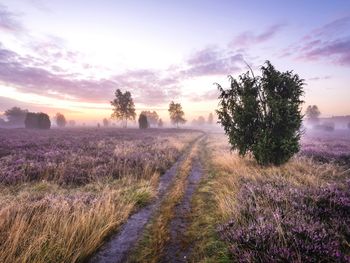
(63, 191)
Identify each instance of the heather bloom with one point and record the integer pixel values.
(77, 157)
(280, 222)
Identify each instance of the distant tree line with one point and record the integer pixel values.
(124, 110)
(19, 118)
(312, 117)
(201, 120)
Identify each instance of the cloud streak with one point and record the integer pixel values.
(330, 42)
(9, 21)
(213, 61)
(249, 38)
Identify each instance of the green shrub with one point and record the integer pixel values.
(37, 121)
(143, 122)
(262, 115)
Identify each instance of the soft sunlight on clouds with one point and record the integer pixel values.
(75, 56)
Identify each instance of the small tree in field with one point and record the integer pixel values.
(210, 118)
(105, 122)
(15, 116)
(262, 115)
(176, 113)
(60, 120)
(123, 107)
(160, 123)
(312, 114)
(72, 123)
(152, 117)
(201, 120)
(143, 122)
(37, 121)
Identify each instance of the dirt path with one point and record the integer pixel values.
(116, 249)
(177, 249)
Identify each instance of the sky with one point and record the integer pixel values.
(71, 56)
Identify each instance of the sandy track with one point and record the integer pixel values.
(118, 246)
(177, 249)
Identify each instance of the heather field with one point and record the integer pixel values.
(62, 192)
(299, 212)
(108, 195)
(327, 146)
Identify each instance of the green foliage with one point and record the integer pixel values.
(37, 121)
(262, 115)
(176, 113)
(143, 122)
(60, 120)
(123, 107)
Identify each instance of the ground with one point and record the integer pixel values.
(169, 195)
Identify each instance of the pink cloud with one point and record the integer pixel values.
(248, 38)
(330, 42)
(213, 61)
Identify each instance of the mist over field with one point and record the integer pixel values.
(185, 131)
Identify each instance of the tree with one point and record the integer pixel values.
(312, 113)
(37, 121)
(262, 115)
(124, 108)
(152, 117)
(15, 116)
(143, 122)
(210, 118)
(60, 120)
(176, 113)
(200, 120)
(160, 123)
(105, 122)
(72, 123)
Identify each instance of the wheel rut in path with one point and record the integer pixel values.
(177, 249)
(118, 246)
